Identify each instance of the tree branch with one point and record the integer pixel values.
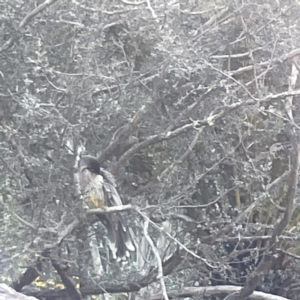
(269, 257)
(129, 286)
(276, 61)
(149, 141)
(182, 157)
(128, 129)
(210, 120)
(27, 277)
(215, 291)
(70, 286)
(160, 274)
(175, 240)
(37, 10)
(109, 210)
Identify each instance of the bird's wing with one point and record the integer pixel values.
(116, 223)
(109, 186)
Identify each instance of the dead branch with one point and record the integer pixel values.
(269, 258)
(133, 3)
(175, 240)
(108, 210)
(24, 222)
(37, 10)
(149, 141)
(160, 274)
(292, 83)
(67, 281)
(215, 291)
(63, 234)
(130, 286)
(128, 129)
(183, 156)
(276, 61)
(210, 120)
(27, 277)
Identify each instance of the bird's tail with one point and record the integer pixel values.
(119, 237)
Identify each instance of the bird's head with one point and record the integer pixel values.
(89, 162)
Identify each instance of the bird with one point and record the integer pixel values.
(98, 189)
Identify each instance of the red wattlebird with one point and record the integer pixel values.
(98, 188)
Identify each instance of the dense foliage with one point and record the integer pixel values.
(195, 110)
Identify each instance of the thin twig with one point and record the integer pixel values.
(208, 204)
(37, 10)
(126, 130)
(268, 63)
(232, 78)
(183, 156)
(288, 253)
(151, 9)
(24, 222)
(269, 259)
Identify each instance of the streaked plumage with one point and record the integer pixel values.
(98, 188)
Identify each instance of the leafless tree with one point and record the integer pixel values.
(192, 105)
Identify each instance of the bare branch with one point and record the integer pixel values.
(63, 234)
(238, 55)
(199, 177)
(288, 253)
(24, 222)
(160, 274)
(133, 3)
(128, 129)
(175, 240)
(242, 216)
(291, 54)
(109, 287)
(37, 10)
(183, 156)
(215, 291)
(151, 9)
(292, 84)
(108, 210)
(270, 257)
(279, 181)
(210, 120)
(232, 78)
(10, 169)
(277, 61)
(147, 142)
(70, 286)
(208, 204)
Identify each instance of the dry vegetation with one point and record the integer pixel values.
(193, 107)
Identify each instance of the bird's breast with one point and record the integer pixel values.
(95, 199)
